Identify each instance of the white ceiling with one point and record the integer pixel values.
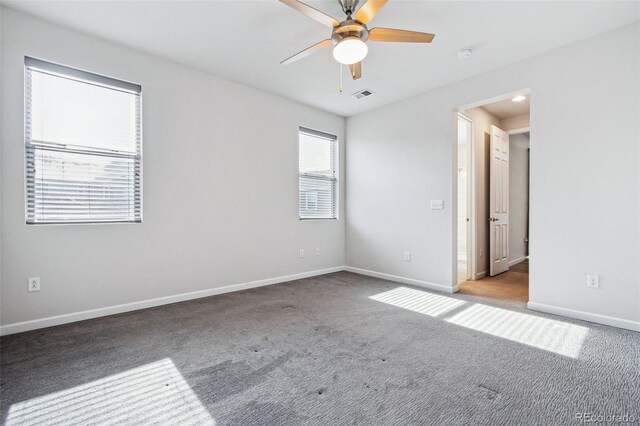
(507, 108)
(245, 41)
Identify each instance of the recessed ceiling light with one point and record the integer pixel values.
(464, 53)
(519, 98)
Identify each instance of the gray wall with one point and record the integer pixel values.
(1, 179)
(220, 187)
(585, 169)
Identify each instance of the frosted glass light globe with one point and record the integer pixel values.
(350, 50)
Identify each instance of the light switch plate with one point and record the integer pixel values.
(437, 204)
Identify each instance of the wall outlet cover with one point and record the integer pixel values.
(437, 204)
(34, 284)
(593, 281)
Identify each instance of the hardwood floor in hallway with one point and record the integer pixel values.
(511, 285)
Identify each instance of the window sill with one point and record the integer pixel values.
(113, 222)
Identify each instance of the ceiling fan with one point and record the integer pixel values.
(350, 36)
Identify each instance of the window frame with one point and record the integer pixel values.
(87, 77)
(336, 171)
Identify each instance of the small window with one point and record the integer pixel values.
(83, 146)
(317, 176)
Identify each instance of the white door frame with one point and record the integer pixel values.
(520, 131)
(471, 198)
(454, 182)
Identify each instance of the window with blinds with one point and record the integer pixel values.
(83, 146)
(317, 175)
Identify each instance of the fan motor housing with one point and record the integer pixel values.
(349, 28)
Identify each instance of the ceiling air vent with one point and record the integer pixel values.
(362, 94)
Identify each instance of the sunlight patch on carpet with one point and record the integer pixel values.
(418, 301)
(543, 333)
(153, 393)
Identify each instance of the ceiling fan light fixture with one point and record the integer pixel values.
(350, 50)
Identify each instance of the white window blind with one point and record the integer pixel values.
(83, 146)
(317, 175)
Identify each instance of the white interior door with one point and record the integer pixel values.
(499, 202)
(464, 206)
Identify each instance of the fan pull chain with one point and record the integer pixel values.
(341, 88)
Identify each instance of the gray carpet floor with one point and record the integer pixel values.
(340, 349)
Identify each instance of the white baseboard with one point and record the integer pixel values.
(586, 316)
(481, 275)
(19, 327)
(518, 260)
(404, 280)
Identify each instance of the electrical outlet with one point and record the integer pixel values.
(481, 253)
(437, 204)
(34, 284)
(407, 256)
(317, 251)
(301, 253)
(593, 281)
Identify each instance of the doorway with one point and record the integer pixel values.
(492, 184)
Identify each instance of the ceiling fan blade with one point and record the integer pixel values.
(312, 13)
(369, 10)
(308, 51)
(389, 34)
(356, 70)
